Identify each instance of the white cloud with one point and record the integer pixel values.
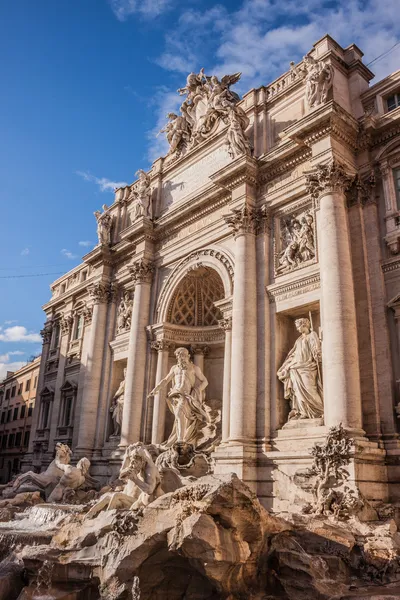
(105, 185)
(146, 8)
(10, 322)
(25, 252)
(17, 353)
(263, 36)
(68, 254)
(85, 243)
(18, 333)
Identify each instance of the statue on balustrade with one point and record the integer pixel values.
(301, 374)
(117, 407)
(194, 423)
(104, 224)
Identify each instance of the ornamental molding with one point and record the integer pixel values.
(99, 293)
(246, 220)
(225, 324)
(278, 167)
(327, 178)
(277, 293)
(161, 345)
(361, 192)
(66, 324)
(391, 266)
(211, 257)
(187, 336)
(141, 271)
(46, 333)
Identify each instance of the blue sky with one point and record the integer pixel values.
(87, 83)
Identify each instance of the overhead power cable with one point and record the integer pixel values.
(30, 275)
(383, 54)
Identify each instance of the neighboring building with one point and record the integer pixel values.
(17, 400)
(283, 205)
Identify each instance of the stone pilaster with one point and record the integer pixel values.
(141, 273)
(65, 332)
(159, 406)
(342, 399)
(226, 325)
(99, 294)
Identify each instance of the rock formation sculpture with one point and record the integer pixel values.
(41, 482)
(194, 423)
(207, 101)
(117, 407)
(300, 374)
(104, 223)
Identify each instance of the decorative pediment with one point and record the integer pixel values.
(47, 391)
(68, 386)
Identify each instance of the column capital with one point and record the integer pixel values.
(46, 332)
(161, 345)
(225, 324)
(141, 271)
(244, 220)
(361, 192)
(328, 178)
(99, 292)
(200, 350)
(66, 324)
(87, 313)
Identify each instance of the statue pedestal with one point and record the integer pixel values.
(237, 458)
(303, 423)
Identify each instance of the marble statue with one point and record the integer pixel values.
(193, 421)
(124, 314)
(319, 79)
(32, 482)
(142, 483)
(300, 374)
(142, 194)
(117, 407)
(207, 101)
(297, 242)
(72, 479)
(104, 223)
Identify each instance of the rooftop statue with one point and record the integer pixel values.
(104, 223)
(208, 100)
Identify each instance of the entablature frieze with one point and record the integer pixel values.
(187, 336)
(303, 284)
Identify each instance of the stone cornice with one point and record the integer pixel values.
(100, 255)
(301, 285)
(393, 265)
(242, 170)
(141, 229)
(177, 334)
(272, 168)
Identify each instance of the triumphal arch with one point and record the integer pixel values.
(266, 245)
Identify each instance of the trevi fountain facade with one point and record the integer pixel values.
(220, 379)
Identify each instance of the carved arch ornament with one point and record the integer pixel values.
(220, 261)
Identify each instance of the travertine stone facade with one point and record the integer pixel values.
(278, 208)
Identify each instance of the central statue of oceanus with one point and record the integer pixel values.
(194, 423)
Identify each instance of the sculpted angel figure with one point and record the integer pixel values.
(117, 407)
(72, 479)
(104, 222)
(300, 374)
(193, 422)
(142, 483)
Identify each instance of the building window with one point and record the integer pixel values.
(28, 385)
(4, 442)
(3, 417)
(23, 410)
(393, 101)
(78, 327)
(63, 288)
(26, 438)
(396, 176)
(13, 391)
(68, 391)
(20, 389)
(18, 439)
(83, 275)
(15, 415)
(35, 383)
(11, 439)
(30, 410)
(56, 336)
(8, 394)
(9, 415)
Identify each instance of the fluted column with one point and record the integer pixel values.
(226, 325)
(341, 375)
(141, 273)
(99, 293)
(159, 405)
(242, 427)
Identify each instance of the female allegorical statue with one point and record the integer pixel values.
(300, 374)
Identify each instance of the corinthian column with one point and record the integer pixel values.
(226, 325)
(141, 273)
(158, 426)
(342, 398)
(99, 293)
(242, 427)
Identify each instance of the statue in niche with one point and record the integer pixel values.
(117, 407)
(298, 243)
(301, 374)
(104, 223)
(142, 195)
(194, 423)
(319, 78)
(124, 315)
